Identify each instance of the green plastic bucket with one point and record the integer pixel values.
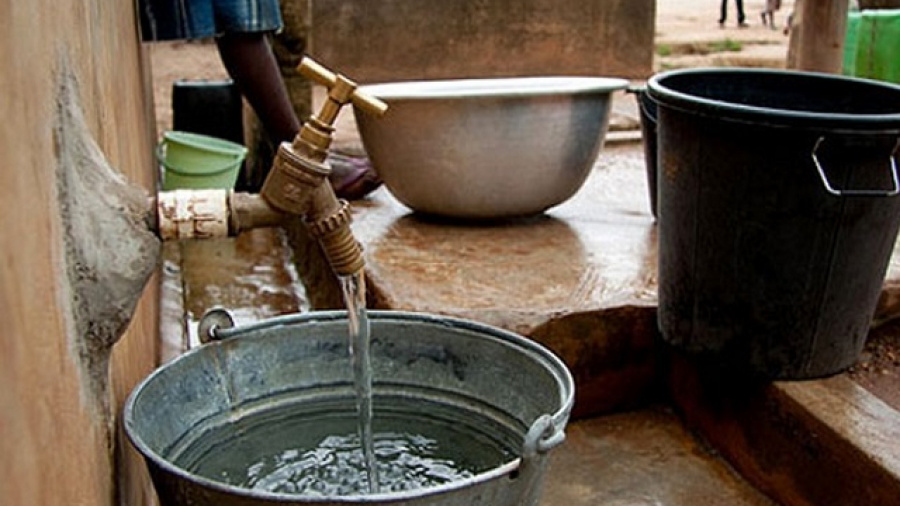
(198, 161)
(873, 36)
(851, 43)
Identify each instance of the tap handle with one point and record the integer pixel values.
(314, 71)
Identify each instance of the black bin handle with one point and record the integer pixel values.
(858, 193)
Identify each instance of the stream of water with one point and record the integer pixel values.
(334, 446)
(354, 287)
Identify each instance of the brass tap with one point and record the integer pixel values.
(298, 182)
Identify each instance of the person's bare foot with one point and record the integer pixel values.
(352, 177)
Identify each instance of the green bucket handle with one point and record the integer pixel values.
(858, 193)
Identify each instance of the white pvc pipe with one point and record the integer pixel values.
(193, 214)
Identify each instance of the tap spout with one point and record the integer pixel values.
(298, 185)
(298, 182)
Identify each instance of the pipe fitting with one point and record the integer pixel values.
(192, 214)
(298, 182)
(299, 185)
(293, 181)
(333, 233)
(206, 214)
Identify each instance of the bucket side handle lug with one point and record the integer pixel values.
(214, 320)
(892, 159)
(542, 436)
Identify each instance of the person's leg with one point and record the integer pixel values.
(251, 63)
(245, 51)
(723, 12)
(740, 13)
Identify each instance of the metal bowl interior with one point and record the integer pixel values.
(488, 148)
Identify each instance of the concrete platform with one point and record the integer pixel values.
(642, 456)
(582, 280)
(648, 429)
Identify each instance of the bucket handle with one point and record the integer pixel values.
(542, 437)
(858, 193)
(160, 151)
(217, 324)
(214, 320)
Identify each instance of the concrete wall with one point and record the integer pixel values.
(428, 39)
(72, 79)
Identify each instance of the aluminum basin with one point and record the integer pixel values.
(488, 148)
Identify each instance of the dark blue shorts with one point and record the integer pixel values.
(197, 19)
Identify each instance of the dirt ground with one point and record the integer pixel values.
(173, 61)
(878, 369)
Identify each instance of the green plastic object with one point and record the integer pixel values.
(851, 43)
(196, 161)
(877, 37)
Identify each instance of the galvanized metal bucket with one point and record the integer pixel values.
(465, 366)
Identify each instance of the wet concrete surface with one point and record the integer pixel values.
(641, 458)
(594, 251)
(582, 280)
(252, 276)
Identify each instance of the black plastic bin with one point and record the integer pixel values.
(778, 213)
(214, 108)
(211, 108)
(647, 109)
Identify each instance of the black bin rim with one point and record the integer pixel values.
(781, 98)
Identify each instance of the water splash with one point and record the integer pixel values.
(354, 288)
(312, 448)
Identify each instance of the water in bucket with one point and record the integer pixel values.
(314, 449)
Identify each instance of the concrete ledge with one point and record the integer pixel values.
(865, 432)
(825, 442)
(612, 354)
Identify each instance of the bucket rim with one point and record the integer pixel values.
(205, 142)
(664, 95)
(232, 164)
(181, 171)
(495, 87)
(559, 418)
(559, 367)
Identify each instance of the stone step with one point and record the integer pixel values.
(641, 457)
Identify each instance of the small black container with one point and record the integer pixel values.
(208, 107)
(647, 108)
(778, 214)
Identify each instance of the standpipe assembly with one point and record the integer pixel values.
(296, 185)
